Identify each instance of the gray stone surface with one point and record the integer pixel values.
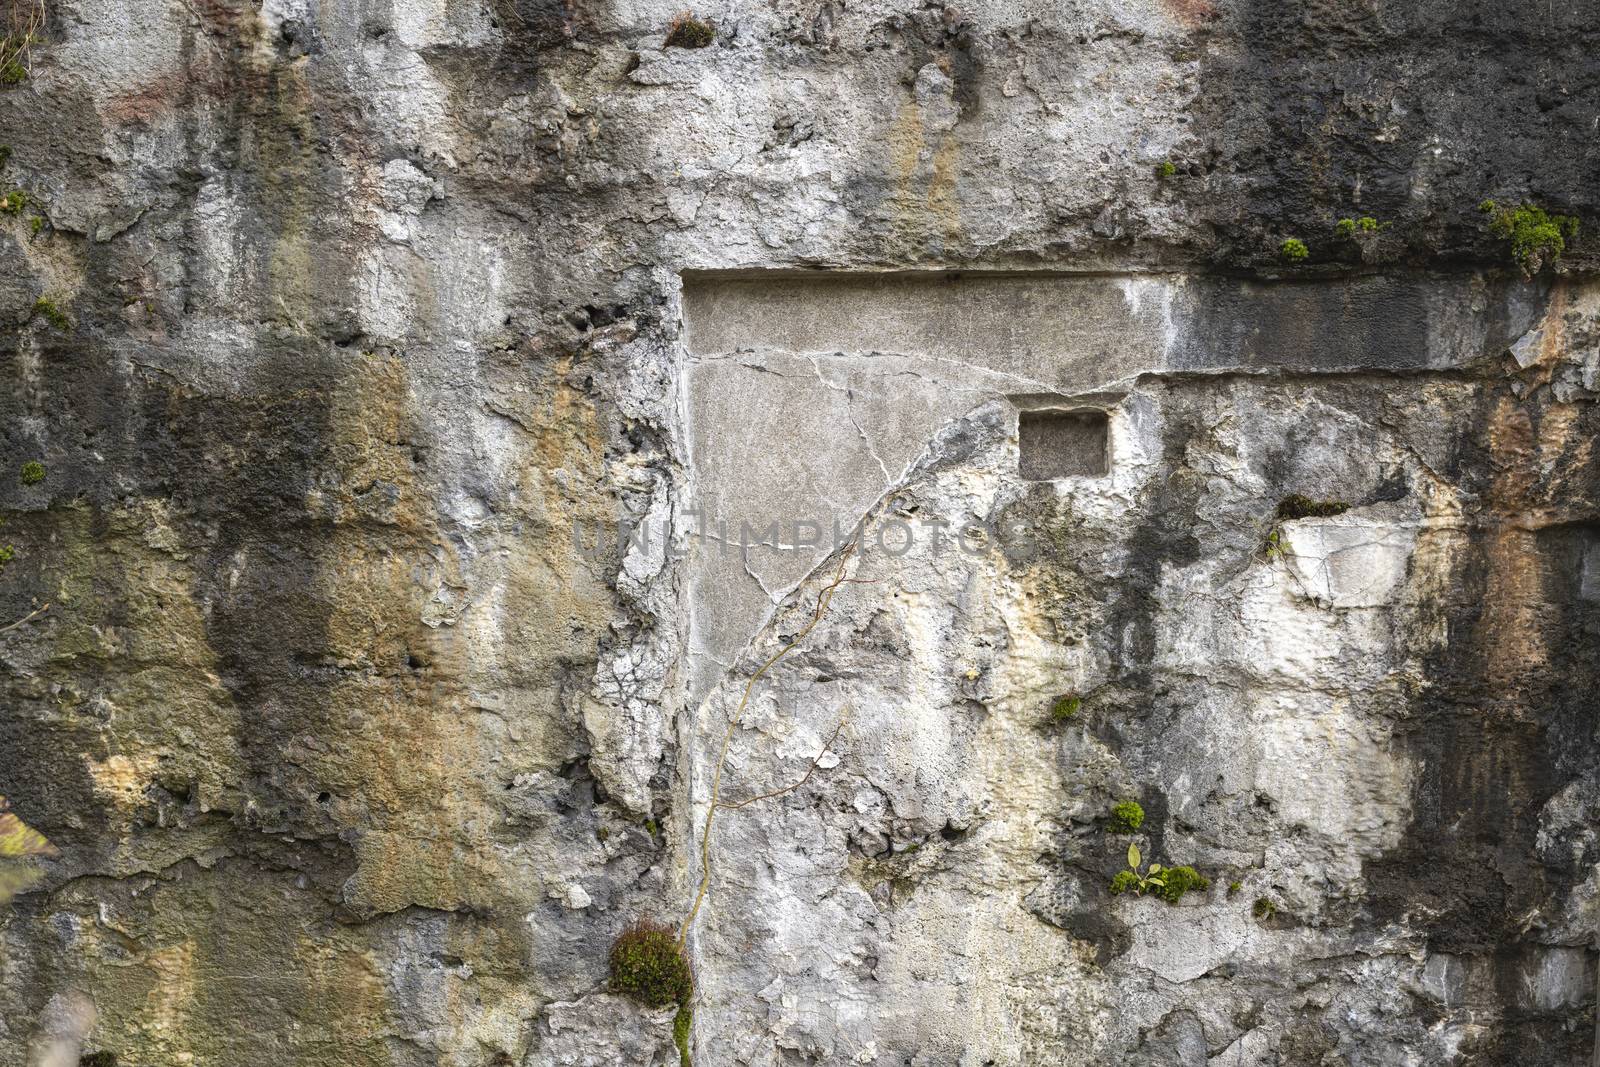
(363, 729)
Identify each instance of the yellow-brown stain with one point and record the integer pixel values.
(925, 205)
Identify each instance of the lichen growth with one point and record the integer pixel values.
(1537, 237)
(686, 31)
(1065, 708)
(1126, 817)
(648, 965)
(32, 472)
(52, 314)
(1296, 506)
(1293, 250)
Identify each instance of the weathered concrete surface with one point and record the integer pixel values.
(356, 755)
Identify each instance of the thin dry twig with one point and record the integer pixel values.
(826, 745)
(824, 598)
(29, 617)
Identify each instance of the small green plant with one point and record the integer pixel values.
(1166, 169)
(1065, 708)
(1293, 250)
(686, 31)
(36, 224)
(52, 314)
(1295, 506)
(1126, 817)
(1537, 237)
(7, 554)
(1348, 228)
(13, 202)
(1234, 888)
(1263, 909)
(32, 472)
(648, 965)
(1167, 883)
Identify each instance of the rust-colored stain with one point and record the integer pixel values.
(1192, 12)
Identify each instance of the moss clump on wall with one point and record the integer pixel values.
(32, 472)
(1295, 506)
(648, 965)
(686, 31)
(1126, 817)
(1293, 250)
(1180, 880)
(1065, 708)
(1349, 228)
(1537, 237)
(52, 314)
(680, 1034)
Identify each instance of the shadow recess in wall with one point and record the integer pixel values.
(1062, 444)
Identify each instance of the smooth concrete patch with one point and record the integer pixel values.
(810, 395)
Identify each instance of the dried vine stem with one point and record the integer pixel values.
(29, 617)
(824, 598)
(25, 18)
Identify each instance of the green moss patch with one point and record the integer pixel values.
(648, 965)
(686, 31)
(1295, 506)
(1126, 817)
(1537, 237)
(52, 314)
(1065, 709)
(680, 1034)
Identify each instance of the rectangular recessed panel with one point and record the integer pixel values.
(1062, 444)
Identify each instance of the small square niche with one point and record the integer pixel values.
(1062, 444)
